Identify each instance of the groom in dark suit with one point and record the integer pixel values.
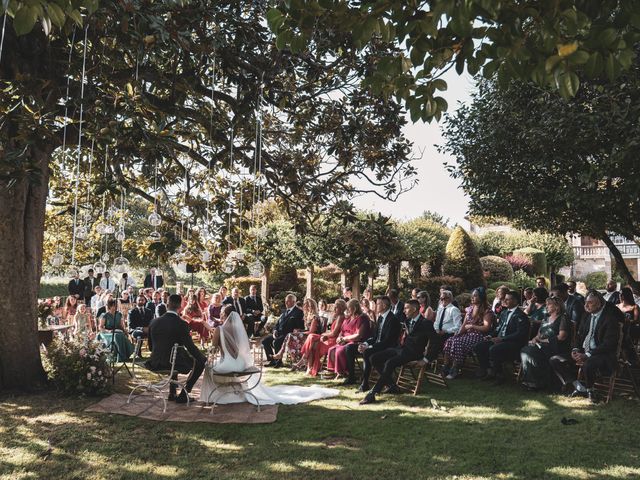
(387, 334)
(417, 332)
(165, 331)
(291, 319)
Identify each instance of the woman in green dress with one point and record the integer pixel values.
(537, 309)
(112, 325)
(553, 338)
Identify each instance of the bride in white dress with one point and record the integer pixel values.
(236, 356)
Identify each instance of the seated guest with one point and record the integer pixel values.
(70, 308)
(541, 282)
(369, 309)
(96, 300)
(448, 320)
(537, 309)
(317, 346)
(347, 294)
(240, 307)
(139, 319)
(612, 295)
(324, 313)
(553, 338)
(478, 321)
(449, 288)
(355, 328)
(195, 318)
(124, 303)
(214, 310)
(368, 294)
(125, 282)
(506, 341)
(254, 315)
(82, 323)
(528, 298)
(201, 295)
(106, 296)
(57, 307)
(571, 285)
(291, 319)
(498, 302)
(112, 330)
(108, 283)
(572, 305)
(156, 299)
(312, 324)
(414, 293)
(223, 292)
(631, 329)
(397, 306)
(425, 306)
(595, 348)
(165, 331)
(417, 331)
(387, 334)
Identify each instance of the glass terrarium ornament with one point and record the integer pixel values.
(121, 265)
(99, 267)
(119, 236)
(109, 229)
(154, 219)
(256, 269)
(101, 228)
(56, 260)
(228, 266)
(155, 236)
(82, 232)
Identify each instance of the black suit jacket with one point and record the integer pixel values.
(160, 310)
(89, 286)
(606, 334)
(389, 336)
(164, 332)
(399, 311)
(243, 304)
(288, 322)
(139, 319)
(252, 304)
(517, 329)
(76, 289)
(575, 309)
(159, 282)
(416, 339)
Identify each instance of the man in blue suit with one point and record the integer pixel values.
(291, 319)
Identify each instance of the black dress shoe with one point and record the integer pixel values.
(370, 398)
(362, 388)
(184, 398)
(277, 364)
(272, 363)
(391, 389)
(349, 381)
(172, 397)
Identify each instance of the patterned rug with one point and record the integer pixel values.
(148, 407)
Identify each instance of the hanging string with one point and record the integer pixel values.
(4, 25)
(88, 201)
(122, 196)
(230, 191)
(75, 199)
(213, 82)
(155, 188)
(104, 199)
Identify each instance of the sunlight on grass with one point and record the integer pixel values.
(612, 471)
(155, 469)
(281, 467)
(17, 456)
(320, 466)
(227, 447)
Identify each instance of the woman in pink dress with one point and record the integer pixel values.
(317, 346)
(355, 327)
(195, 318)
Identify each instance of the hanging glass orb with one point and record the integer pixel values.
(228, 267)
(82, 232)
(154, 219)
(85, 218)
(99, 267)
(155, 236)
(71, 271)
(109, 229)
(105, 257)
(205, 256)
(119, 236)
(256, 269)
(121, 265)
(56, 260)
(111, 211)
(101, 228)
(239, 255)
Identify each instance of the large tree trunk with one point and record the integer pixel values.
(416, 271)
(393, 275)
(355, 284)
(309, 277)
(264, 287)
(622, 267)
(22, 210)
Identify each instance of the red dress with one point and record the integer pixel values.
(337, 356)
(196, 322)
(322, 349)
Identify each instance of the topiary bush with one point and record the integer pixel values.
(283, 278)
(511, 285)
(596, 280)
(498, 268)
(432, 286)
(521, 279)
(464, 300)
(461, 259)
(537, 258)
(243, 283)
(520, 264)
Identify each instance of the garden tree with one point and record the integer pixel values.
(553, 165)
(424, 242)
(547, 42)
(153, 98)
(462, 260)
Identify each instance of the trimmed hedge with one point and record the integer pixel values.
(498, 268)
(432, 286)
(464, 300)
(537, 258)
(243, 283)
(511, 285)
(48, 290)
(520, 264)
(596, 280)
(462, 260)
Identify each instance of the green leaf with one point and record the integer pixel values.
(608, 36)
(439, 84)
(298, 44)
(594, 65)
(274, 19)
(56, 14)
(611, 67)
(442, 104)
(25, 19)
(551, 63)
(579, 57)
(76, 17)
(417, 55)
(568, 84)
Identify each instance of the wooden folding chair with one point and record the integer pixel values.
(412, 375)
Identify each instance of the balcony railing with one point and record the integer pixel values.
(600, 251)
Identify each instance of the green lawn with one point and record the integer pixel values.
(482, 432)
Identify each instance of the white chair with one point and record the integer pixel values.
(237, 382)
(163, 380)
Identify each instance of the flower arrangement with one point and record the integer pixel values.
(45, 310)
(78, 367)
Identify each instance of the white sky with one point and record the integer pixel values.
(436, 190)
